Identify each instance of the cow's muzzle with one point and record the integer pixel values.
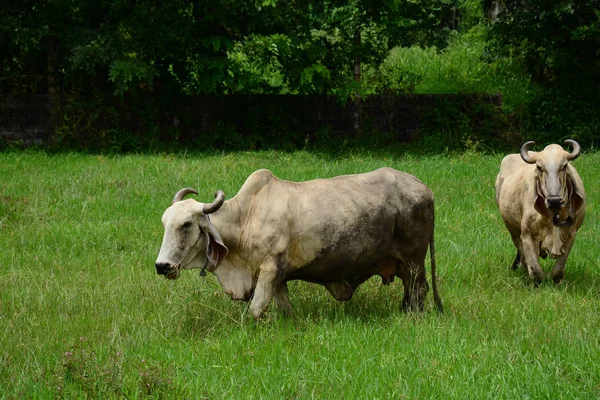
(559, 223)
(554, 203)
(167, 270)
(163, 268)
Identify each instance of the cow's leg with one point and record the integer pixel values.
(530, 258)
(268, 280)
(413, 277)
(282, 298)
(558, 272)
(517, 242)
(516, 261)
(403, 273)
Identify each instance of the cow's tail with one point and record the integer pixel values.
(436, 295)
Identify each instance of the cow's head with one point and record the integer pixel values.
(558, 193)
(190, 239)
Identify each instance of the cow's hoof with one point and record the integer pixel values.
(412, 306)
(558, 277)
(536, 275)
(516, 262)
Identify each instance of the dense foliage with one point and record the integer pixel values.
(114, 70)
(219, 46)
(558, 44)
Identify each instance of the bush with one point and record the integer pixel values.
(463, 67)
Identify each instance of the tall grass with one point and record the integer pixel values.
(83, 314)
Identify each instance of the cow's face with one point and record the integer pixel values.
(190, 240)
(551, 170)
(554, 184)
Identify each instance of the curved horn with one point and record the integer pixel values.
(182, 193)
(524, 153)
(576, 149)
(215, 205)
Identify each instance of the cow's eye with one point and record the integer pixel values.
(186, 225)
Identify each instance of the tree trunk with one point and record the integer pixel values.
(493, 8)
(52, 89)
(357, 99)
(453, 23)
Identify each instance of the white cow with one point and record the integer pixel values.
(336, 232)
(542, 202)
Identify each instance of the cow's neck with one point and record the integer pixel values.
(227, 220)
(235, 273)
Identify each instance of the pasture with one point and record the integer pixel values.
(84, 315)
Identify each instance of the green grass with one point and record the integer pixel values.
(83, 313)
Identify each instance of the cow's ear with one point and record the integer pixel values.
(575, 189)
(540, 200)
(540, 206)
(216, 249)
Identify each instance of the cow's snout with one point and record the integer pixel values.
(163, 268)
(555, 202)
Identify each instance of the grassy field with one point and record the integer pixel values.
(84, 315)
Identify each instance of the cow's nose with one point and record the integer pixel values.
(162, 268)
(555, 202)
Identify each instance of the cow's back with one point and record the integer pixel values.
(351, 221)
(328, 230)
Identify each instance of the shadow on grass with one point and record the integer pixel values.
(580, 278)
(373, 303)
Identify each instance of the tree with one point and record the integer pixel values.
(87, 53)
(558, 42)
(318, 47)
(211, 46)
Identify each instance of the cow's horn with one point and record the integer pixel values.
(215, 205)
(576, 149)
(182, 193)
(524, 152)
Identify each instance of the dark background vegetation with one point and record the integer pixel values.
(447, 74)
